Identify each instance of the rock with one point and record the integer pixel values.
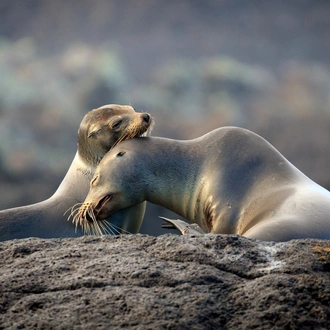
(164, 282)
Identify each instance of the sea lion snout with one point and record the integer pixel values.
(146, 117)
(98, 208)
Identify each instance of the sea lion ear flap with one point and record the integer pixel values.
(121, 153)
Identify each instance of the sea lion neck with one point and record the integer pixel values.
(79, 171)
(172, 170)
(87, 155)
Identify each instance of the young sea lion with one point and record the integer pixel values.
(228, 181)
(99, 130)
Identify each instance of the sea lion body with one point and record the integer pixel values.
(99, 131)
(229, 181)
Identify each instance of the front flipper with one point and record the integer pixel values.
(182, 226)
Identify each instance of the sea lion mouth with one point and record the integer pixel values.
(97, 209)
(100, 205)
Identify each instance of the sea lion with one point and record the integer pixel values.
(229, 181)
(99, 130)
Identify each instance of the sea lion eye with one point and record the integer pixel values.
(117, 124)
(92, 134)
(121, 153)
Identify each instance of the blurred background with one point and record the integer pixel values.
(194, 65)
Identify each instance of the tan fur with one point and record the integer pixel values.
(229, 181)
(99, 130)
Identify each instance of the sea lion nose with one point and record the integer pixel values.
(146, 117)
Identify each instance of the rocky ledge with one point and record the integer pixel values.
(165, 282)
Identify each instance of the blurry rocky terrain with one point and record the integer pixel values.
(165, 282)
(194, 65)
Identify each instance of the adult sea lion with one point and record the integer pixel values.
(228, 181)
(99, 130)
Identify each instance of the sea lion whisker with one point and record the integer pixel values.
(86, 228)
(93, 227)
(148, 131)
(121, 229)
(92, 230)
(106, 229)
(90, 212)
(77, 220)
(131, 134)
(112, 228)
(89, 228)
(121, 138)
(72, 209)
(75, 215)
(98, 230)
(103, 229)
(78, 214)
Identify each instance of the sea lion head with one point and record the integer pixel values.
(114, 186)
(104, 127)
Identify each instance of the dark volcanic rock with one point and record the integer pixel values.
(165, 282)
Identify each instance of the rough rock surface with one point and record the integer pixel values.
(165, 282)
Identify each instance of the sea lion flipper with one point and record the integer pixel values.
(183, 227)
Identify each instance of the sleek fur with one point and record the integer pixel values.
(228, 181)
(99, 130)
